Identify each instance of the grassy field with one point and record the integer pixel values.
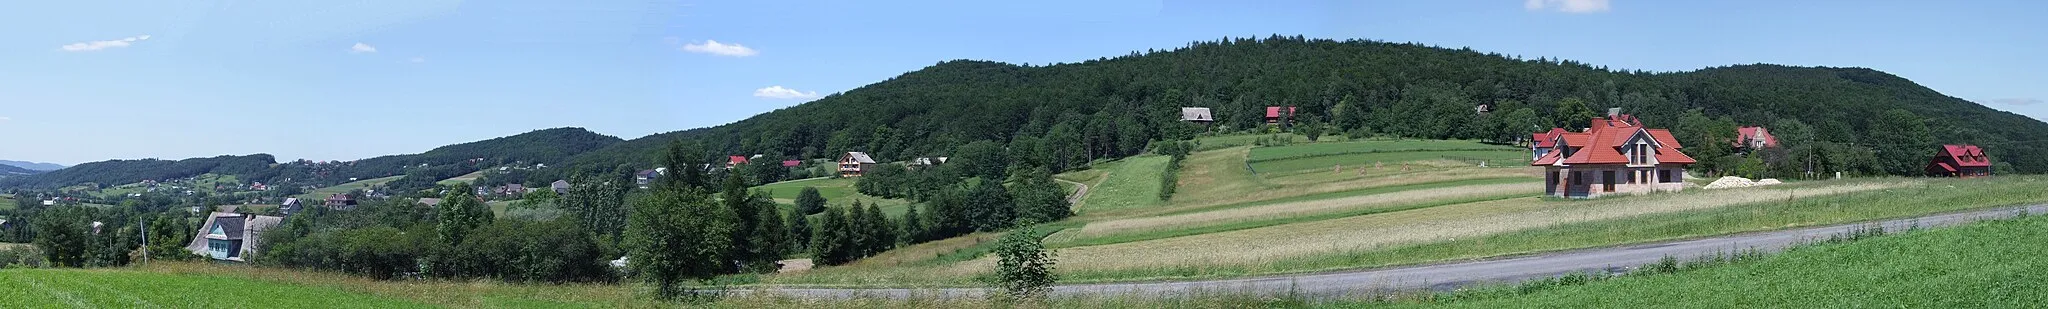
(1131, 183)
(1984, 265)
(465, 178)
(837, 192)
(323, 193)
(1296, 151)
(7, 202)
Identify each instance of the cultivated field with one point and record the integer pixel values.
(323, 193)
(837, 192)
(1226, 221)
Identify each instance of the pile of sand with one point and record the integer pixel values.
(1739, 182)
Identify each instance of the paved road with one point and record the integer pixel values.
(1446, 276)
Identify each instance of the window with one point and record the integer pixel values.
(1607, 180)
(1578, 178)
(1663, 175)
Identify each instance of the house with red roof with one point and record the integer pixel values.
(1961, 161)
(734, 161)
(1540, 143)
(1615, 154)
(1274, 114)
(1749, 138)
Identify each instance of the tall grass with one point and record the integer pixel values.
(1988, 264)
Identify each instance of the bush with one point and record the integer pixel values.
(1023, 267)
(22, 257)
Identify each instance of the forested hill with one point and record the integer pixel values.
(1837, 117)
(11, 171)
(549, 146)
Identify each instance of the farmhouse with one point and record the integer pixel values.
(1962, 161)
(230, 236)
(645, 177)
(1196, 115)
(1752, 138)
(560, 186)
(851, 164)
(791, 163)
(1614, 155)
(341, 202)
(1275, 115)
(290, 205)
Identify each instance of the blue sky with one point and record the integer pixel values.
(89, 80)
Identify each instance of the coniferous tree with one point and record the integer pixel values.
(799, 231)
(809, 201)
(881, 233)
(830, 242)
(911, 228)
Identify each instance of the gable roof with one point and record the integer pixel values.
(1545, 139)
(1966, 155)
(1744, 134)
(1603, 141)
(858, 157)
(1274, 111)
(791, 163)
(736, 159)
(247, 228)
(1196, 114)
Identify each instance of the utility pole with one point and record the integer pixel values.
(145, 238)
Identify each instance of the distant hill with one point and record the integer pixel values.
(12, 171)
(549, 146)
(33, 165)
(1072, 112)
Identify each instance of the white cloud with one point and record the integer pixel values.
(99, 45)
(1567, 6)
(4, 118)
(418, 60)
(2017, 101)
(721, 49)
(777, 92)
(361, 48)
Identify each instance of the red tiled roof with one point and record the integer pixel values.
(1664, 137)
(1966, 155)
(1602, 144)
(1544, 140)
(1745, 133)
(1274, 111)
(737, 159)
(791, 163)
(1945, 167)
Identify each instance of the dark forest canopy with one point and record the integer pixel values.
(1403, 89)
(1062, 115)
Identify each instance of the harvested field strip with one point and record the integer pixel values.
(1268, 244)
(1340, 207)
(1323, 149)
(1075, 240)
(1392, 161)
(1395, 187)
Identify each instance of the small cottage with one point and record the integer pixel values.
(1961, 161)
(1279, 114)
(1196, 115)
(1752, 138)
(560, 186)
(852, 163)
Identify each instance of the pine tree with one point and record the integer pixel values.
(799, 232)
(830, 243)
(911, 229)
(882, 234)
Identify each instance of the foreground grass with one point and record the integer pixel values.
(1984, 265)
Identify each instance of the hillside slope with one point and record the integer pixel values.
(1105, 105)
(11, 171)
(34, 166)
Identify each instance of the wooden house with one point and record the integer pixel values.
(1961, 161)
(1279, 114)
(852, 163)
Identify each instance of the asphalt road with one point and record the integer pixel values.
(1445, 276)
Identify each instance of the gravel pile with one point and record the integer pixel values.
(1739, 182)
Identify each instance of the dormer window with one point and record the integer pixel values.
(1640, 155)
